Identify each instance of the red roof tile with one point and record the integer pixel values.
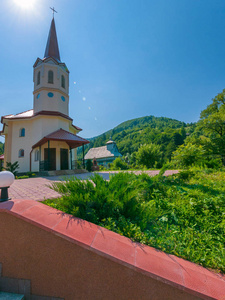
(71, 139)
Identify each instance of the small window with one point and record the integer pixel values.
(36, 155)
(21, 153)
(63, 81)
(50, 77)
(39, 78)
(22, 132)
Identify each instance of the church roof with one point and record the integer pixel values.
(110, 142)
(71, 139)
(25, 114)
(30, 113)
(2, 157)
(102, 152)
(52, 48)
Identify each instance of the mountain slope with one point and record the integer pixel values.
(131, 134)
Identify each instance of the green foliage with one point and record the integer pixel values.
(189, 155)
(89, 165)
(1, 148)
(30, 174)
(118, 164)
(149, 155)
(212, 124)
(22, 177)
(183, 214)
(165, 132)
(12, 167)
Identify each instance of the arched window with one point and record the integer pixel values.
(22, 132)
(38, 78)
(50, 77)
(21, 153)
(36, 155)
(63, 81)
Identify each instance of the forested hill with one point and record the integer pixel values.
(130, 135)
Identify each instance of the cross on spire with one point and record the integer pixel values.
(53, 10)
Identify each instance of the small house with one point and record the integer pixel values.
(104, 155)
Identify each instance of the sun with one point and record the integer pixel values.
(25, 4)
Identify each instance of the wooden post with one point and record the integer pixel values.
(71, 164)
(39, 158)
(48, 154)
(83, 157)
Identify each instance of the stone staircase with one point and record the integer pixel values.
(18, 289)
(10, 296)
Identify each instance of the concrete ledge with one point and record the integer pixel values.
(170, 270)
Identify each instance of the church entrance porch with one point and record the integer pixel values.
(57, 151)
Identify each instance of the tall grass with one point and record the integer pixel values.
(183, 214)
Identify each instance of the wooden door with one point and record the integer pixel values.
(64, 159)
(52, 161)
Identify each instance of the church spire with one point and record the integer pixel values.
(52, 48)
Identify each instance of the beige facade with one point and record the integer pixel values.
(45, 134)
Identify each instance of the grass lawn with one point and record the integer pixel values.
(183, 214)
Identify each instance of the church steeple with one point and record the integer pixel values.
(52, 48)
(51, 79)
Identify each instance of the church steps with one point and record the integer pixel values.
(18, 289)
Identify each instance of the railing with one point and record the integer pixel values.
(44, 165)
(76, 164)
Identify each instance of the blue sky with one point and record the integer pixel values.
(127, 59)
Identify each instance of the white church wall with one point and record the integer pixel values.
(21, 143)
(44, 125)
(57, 101)
(8, 145)
(59, 95)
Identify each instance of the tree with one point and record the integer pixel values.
(12, 167)
(212, 124)
(118, 164)
(89, 165)
(148, 155)
(188, 155)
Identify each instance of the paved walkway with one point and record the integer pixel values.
(39, 188)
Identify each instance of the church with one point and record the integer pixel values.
(44, 138)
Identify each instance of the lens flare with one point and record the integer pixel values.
(25, 4)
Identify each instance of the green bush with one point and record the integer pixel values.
(22, 177)
(149, 156)
(183, 214)
(118, 164)
(12, 167)
(89, 165)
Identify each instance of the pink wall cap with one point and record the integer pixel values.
(156, 264)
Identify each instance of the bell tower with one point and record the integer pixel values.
(51, 79)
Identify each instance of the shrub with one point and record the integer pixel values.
(183, 214)
(89, 165)
(12, 167)
(149, 155)
(118, 164)
(22, 177)
(189, 155)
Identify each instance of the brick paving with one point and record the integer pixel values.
(39, 188)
